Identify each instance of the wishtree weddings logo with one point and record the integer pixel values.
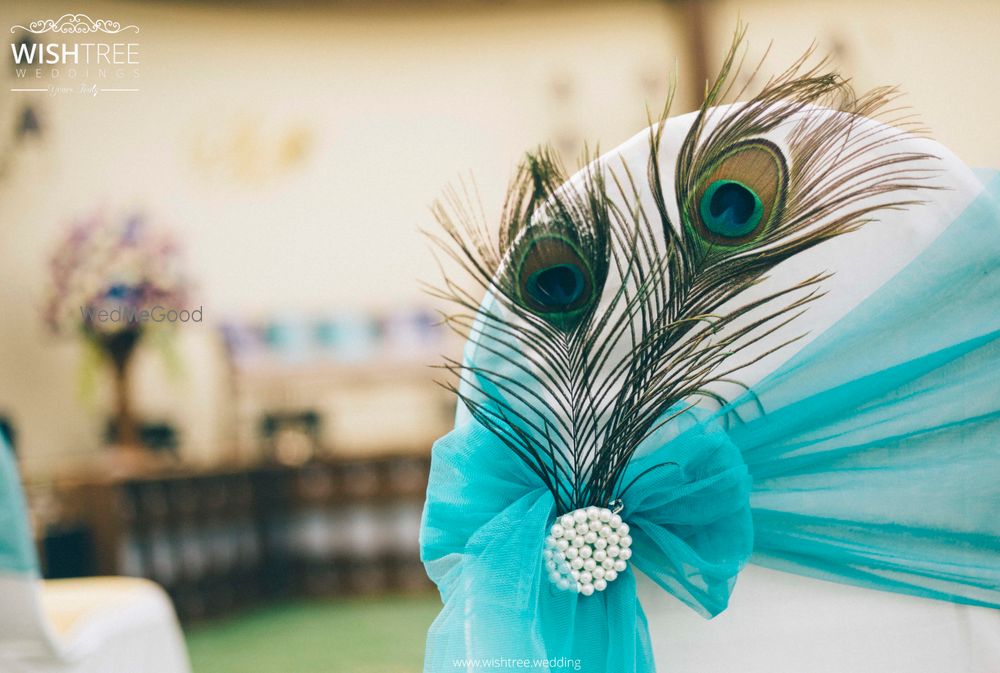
(78, 55)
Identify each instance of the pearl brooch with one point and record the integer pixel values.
(587, 549)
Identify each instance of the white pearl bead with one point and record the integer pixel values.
(623, 529)
(585, 552)
(567, 521)
(608, 564)
(572, 553)
(579, 516)
(595, 525)
(563, 584)
(557, 531)
(582, 529)
(586, 577)
(625, 554)
(564, 568)
(605, 531)
(613, 539)
(547, 554)
(614, 551)
(600, 555)
(590, 538)
(600, 585)
(554, 576)
(576, 563)
(620, 565)
(550, 566)
(626, 541)
(611, 575)
(575, 574)
(550, 541)
(562, 544)
(605, 515)
(578, 541)
(601, 543)
(597, 572)
(590, 564)
(593, 513)
(587, 589)
(615, 521)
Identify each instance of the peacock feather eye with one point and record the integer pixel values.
(558, 286)
(731, 209)
(740, 195)
(554, 279)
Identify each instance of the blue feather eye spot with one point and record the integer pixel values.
(739, 196)
(553, 279)
(731, 209)
(558, 286)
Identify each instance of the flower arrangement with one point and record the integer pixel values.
(113, 280)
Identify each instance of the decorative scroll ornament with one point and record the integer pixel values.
(74, 24)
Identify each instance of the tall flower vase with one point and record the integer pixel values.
(119, 348)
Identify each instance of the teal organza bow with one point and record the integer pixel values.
(875, 459)
(484, 531)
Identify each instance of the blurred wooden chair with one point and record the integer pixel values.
(92, 625)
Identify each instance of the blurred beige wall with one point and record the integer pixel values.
(392, 104)
(398, 104)
(944, 56)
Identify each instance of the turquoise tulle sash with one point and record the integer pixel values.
(875, 460)
(17, 552)
(878, 460)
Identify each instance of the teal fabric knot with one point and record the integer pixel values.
(685, 497)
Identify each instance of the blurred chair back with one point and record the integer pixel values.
(78, 625)
(23, 627)
(17, 551)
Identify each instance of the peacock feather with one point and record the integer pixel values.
(607, 316)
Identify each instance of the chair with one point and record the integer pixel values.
(92, 625)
